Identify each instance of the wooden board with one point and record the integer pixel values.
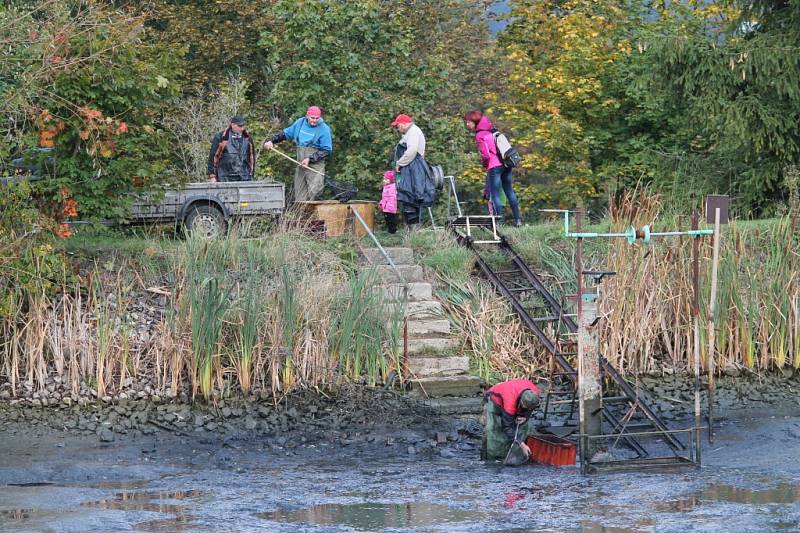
(338, 218)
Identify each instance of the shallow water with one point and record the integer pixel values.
(750, 481)
(369, 516)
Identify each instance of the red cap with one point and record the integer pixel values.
(401, 119)
(314, 112)
(389, 175)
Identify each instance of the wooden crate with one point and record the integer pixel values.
(337, 216)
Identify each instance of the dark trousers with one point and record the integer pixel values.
(391, 221)
(412, 214)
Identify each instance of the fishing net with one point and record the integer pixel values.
(517, 456)
(341, 191)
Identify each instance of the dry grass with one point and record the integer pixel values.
(295, 316)
(271, 324)
(648, 303)
(647, 306)
(497, 343)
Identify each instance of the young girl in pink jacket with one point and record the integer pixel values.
(388, 203)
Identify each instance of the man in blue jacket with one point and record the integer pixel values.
(314, 143)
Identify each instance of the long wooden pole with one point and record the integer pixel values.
(712, 303)
(696, 325)
(298, 163)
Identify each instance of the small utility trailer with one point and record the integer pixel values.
(206, 208)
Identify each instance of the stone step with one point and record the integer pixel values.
(422, 367)
(410, 273)
(436, 387)
(431, 344)
(400, 256)
(424, 310)
(417, 291)
(457, 405)
(428, 328)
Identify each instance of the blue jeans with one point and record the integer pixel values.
(501, 177)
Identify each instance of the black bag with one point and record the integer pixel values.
(508, 154)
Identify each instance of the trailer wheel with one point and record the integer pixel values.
(205, 221)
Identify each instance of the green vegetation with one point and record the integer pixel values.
(275, 314)
(602, 97)
(136, 90)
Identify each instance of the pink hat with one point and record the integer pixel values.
(389, 175)
(402, 119)
(314, 112)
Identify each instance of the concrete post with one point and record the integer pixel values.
(590, 387)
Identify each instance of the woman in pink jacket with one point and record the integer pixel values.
(497, 175)
(388, 203)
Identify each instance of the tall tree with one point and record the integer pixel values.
(364, 61)
(729, 74)
(559, 103)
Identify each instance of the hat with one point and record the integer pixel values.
(389, 175)
(402, 119)
(528, 399)
(238, 120)
(314, 112)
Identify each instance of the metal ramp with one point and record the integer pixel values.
(473, 225)
(630, 422)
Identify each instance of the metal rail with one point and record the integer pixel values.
(378, 244)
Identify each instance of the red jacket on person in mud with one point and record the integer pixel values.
(507, 394)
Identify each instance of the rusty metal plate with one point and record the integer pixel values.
(714, 202)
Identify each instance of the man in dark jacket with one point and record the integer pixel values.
(415, 188)
(232, 157)
(509, 406)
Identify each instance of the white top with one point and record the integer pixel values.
(415, 144)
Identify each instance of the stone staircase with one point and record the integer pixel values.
(435, 370)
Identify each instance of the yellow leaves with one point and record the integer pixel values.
(547, 107)
(557, 80)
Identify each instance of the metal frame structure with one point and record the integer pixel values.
(478, 223)
(589, 380)
(623, 431)
(452, 199)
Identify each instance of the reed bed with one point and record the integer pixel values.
(649, 302)
(261, 315)
(284, 312)
(497, 344)
(647, 306)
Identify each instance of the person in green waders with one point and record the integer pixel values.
(314, 142)
(508, 408)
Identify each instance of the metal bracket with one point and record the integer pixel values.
(598, 275)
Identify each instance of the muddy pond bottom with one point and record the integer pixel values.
(749, 482)
(371, 516)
